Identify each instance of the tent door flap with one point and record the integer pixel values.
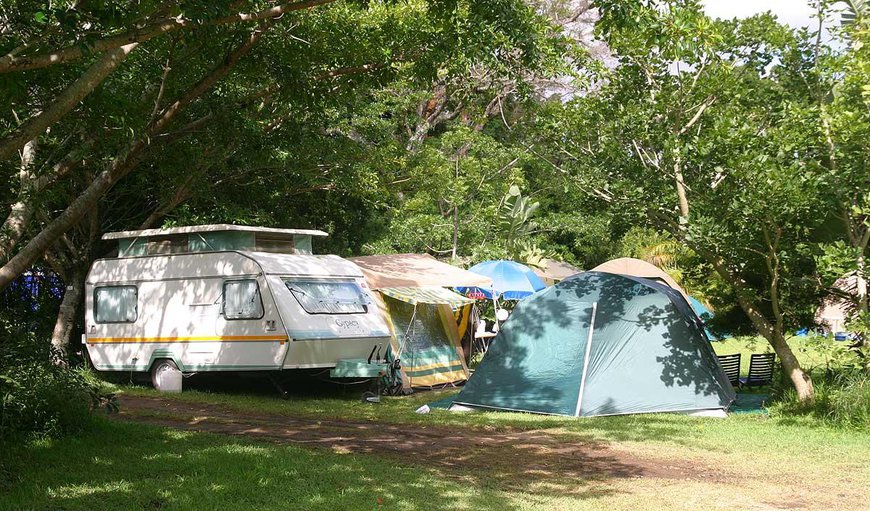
(586, 359)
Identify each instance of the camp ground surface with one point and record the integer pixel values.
(324, 449)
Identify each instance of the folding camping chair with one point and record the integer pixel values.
(731, 366)
(760, 370)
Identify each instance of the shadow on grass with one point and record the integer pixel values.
(126, 466)
(331, 402)
(519, 460)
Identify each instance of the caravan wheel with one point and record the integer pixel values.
(165, 376)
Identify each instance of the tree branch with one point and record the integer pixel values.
(74, 52)
(159, 98)
(697, 115)
(65, 101)
(121, 166)
(351, 70)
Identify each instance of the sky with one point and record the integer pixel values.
(795, 13)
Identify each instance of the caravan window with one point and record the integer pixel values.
(242, 299)
(116, 304)
(324, 297)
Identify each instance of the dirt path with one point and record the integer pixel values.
(541, 463)
(517, 459)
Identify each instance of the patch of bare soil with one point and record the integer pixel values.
(520, 460)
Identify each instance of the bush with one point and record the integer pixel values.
(841, 385)
(39, 399)
(841, 399)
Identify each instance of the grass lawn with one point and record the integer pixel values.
(754, 440)
(135, 466)
(744, 462)
(122, 466)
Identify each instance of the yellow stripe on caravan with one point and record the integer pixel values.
(225, 338)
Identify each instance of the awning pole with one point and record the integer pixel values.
(408, 332)
(413, 331)
(473, 318)
(586, 360)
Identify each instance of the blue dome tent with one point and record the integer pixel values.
(600, 344)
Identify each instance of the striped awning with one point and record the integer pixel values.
(426, 294)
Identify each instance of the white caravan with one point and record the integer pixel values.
(225, 298)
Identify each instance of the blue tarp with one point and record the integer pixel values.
(705, 314)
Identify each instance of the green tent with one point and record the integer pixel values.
(600, 344)
(425, 335)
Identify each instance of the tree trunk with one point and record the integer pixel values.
(66, 316)
(431, 113)
(681, 187)
(859, 238)
(65, 101)
(120, 167)
(21, 211)
(455, 231)
(71, 216)
(861, 283)
(801, 381)
(861, 291)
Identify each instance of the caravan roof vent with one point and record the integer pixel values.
(210, 238)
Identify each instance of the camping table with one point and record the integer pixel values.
(485, 339)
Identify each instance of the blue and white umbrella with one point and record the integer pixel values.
(510, 280)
